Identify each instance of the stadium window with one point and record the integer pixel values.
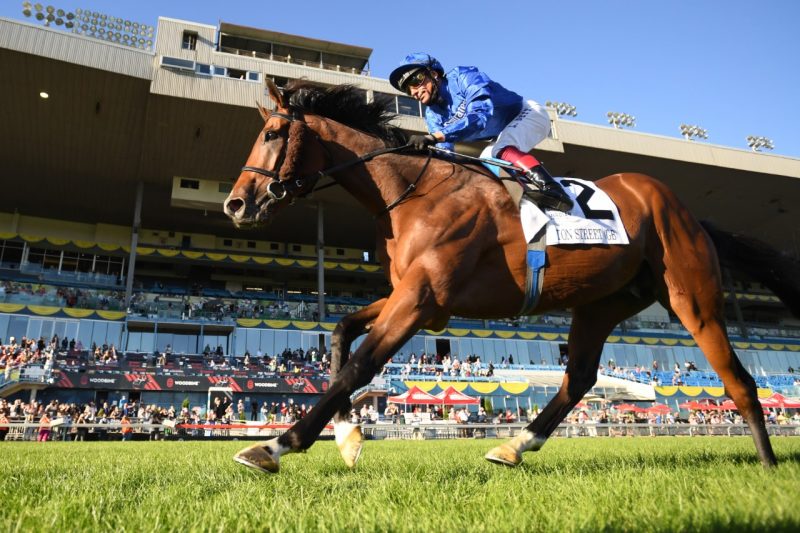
(253, 76)
(227, 242)
(189, 40)
(190, 184)
(407, 106)
(339, 251)
(274, 246)
(216, 70)
(225, 188)
(177, 63)
(251, 244)
(295, 247)
(11, 253)
(279, 81)
(202, 69)
(388, 101)
(237, 74)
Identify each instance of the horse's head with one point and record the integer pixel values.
(275, 173)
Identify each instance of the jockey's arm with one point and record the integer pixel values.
(473, 88)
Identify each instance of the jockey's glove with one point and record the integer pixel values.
(420, 142)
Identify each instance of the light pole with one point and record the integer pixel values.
(756, 143)
(690, 132)
(94, 24)
(562, 108)
(620, 120)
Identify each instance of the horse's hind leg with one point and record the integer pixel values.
(700, 308)
(591, 325)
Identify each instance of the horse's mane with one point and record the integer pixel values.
(345, 104)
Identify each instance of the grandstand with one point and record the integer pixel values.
(112, 235)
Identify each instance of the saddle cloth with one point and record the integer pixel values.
(594, 219)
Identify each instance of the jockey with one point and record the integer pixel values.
(465, 105)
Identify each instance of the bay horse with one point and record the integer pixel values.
(451, 243)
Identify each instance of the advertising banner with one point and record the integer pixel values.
(152, 382)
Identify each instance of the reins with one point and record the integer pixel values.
(411, 188)
(285, 187)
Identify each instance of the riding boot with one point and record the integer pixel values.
(548, 193)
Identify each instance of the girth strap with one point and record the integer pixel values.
(536, 261)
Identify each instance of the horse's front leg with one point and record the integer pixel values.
(347, 330)
(348, 435)
(410, 307)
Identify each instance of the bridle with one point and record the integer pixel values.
(279, 189)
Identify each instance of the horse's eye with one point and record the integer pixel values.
(270, 135)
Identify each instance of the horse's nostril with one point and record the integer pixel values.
(234, 205)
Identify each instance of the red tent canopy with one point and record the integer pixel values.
(659, 408)
(451, 396)
(705, 404)
(770, 402)
(783, 401)
(728, 405)
(415, 396)
(625, 407)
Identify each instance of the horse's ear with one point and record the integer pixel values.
(263, 111)
(275, 94)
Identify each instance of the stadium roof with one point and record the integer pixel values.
(109, 122)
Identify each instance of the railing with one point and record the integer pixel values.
(292, 60)
(383, 387)
(65, 431)
(447, 430)
(52, 274)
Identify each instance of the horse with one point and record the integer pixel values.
(451, 243)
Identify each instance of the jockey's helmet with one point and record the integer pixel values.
(410, 65)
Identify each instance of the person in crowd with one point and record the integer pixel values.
(44, 428)
(127, 430)
(3, 425)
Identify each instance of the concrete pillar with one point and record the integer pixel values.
(320, 262)
(137, 222)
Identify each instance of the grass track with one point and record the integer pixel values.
(641, 484)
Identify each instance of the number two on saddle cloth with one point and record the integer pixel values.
(593, 220)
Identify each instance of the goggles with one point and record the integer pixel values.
(414, 80)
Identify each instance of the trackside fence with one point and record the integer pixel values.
(19, 431)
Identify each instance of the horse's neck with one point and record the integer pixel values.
(375, 183)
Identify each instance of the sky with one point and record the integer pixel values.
(729, 66)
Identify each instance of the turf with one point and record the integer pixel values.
(634, 484)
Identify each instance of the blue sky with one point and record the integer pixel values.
(729, 66)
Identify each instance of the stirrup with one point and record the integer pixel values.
(549, 199)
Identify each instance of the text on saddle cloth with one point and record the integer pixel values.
(594, 218)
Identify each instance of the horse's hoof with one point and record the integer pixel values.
(350, 447)
(259, 458)
(504, 455)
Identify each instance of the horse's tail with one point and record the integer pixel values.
(756, 259)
